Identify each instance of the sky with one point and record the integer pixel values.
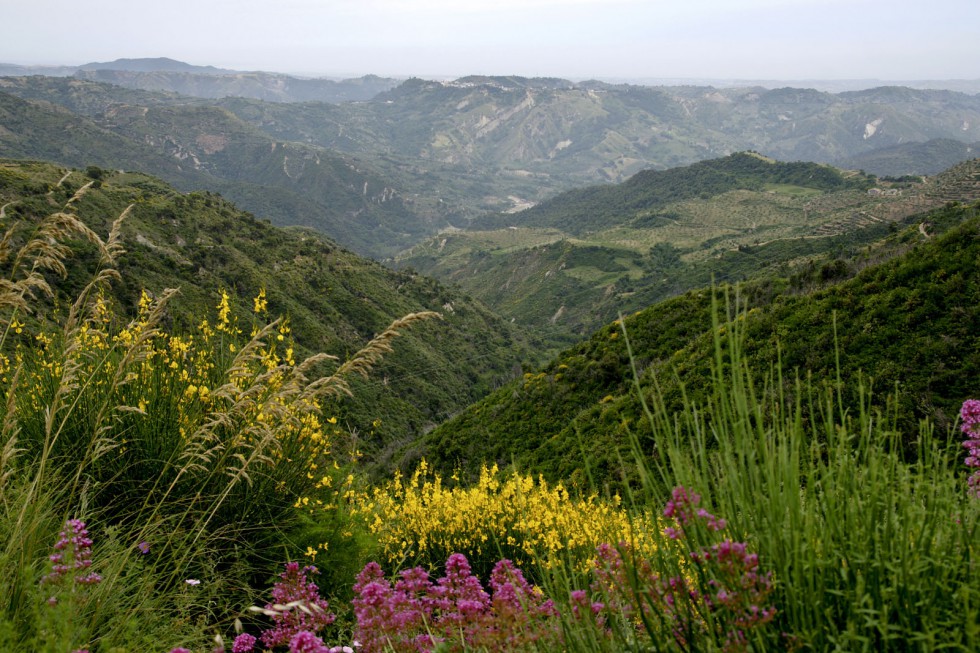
(574, 39)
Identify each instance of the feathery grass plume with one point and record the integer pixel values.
(79, 194)
(45, 251)
(8, 435)
(103, 438)
(370, 355)
(206, 444)
(109, 251)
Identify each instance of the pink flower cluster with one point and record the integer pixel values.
(302, 642)
(455, 613)
(723, 594)
(307, 611)
(970, 425)
(681, 508)
(72, 557)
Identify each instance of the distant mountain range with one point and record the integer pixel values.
(163, 74)
(165, 64)
(383, 174)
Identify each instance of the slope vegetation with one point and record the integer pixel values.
(452, 151)
(572, 263)
(194, 145)
(908, 319)
(335, 300)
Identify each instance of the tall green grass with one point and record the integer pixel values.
(872, 546)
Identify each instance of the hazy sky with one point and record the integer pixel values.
(608, 39)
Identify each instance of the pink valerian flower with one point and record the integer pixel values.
(293, 589)
(244, 643)
(388, 614)
(581, 606)
(733, 589)
(521, 616)
(459, 598)
(681, 505)
(179, 649)
(970, 425)
(306, 642)
(683, 508)
(455, 612)
(970, 415)
(72, 558)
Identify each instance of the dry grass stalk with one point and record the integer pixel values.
(364, 360)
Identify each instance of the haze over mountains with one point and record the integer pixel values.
(671, 301)
(168, 65)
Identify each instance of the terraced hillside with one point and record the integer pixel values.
(572, 263)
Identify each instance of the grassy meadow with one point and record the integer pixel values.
(185, 490)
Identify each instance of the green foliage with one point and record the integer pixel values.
(600, 207)
(763, 225)
(334, 300)
(868, 550)
(578, 410)
(188, 454)
(451, 151)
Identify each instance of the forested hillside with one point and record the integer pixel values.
(334, 300)
(909, 321)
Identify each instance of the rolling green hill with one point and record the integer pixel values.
(335, 300)
(604, 207)
(908, 318)
(569, 265)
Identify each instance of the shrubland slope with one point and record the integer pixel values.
(572, 263)
(335, 300)
(908, 319)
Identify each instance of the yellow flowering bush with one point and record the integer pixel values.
(207, 429)
(423, 521)
(171, 417)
